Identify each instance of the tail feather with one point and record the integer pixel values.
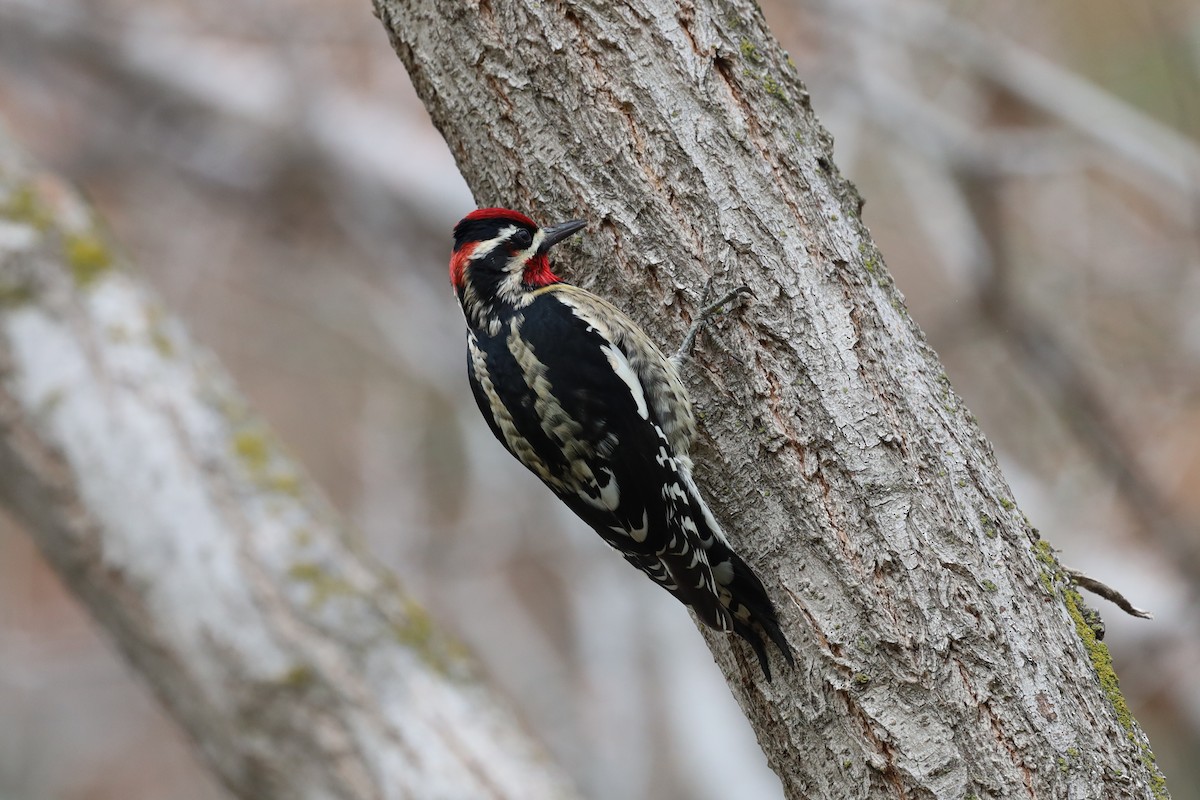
(697, 588)
(753, 612)
(747, 632)
(739, 590)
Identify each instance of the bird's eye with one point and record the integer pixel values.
(522, 238)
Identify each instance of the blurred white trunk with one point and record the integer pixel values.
(300, 668)
(941, 652)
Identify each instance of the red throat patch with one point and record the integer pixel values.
(537, 272)
(458, 265)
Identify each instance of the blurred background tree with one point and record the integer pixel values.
(1030, 170)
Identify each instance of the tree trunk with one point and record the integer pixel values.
(296, 664)
(941, 651)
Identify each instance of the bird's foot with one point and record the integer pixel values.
(710, 311)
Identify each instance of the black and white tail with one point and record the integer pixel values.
(739, 589)
(752, 611)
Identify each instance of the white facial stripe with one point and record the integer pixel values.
(483, 248)
(517, 262)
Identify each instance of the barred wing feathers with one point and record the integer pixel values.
(578, 394)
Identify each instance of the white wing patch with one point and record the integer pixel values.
(621, 366)
(662, 389)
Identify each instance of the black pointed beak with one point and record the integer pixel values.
(556, 233)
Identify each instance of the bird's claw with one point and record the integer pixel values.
(709, 311)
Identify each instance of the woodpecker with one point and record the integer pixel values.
(578, 393)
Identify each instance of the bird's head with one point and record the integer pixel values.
(500, 254)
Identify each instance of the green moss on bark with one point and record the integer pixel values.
(1055, 581)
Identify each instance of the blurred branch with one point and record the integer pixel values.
(250, 91)
(297, 665)
(1057, 372)
(1055, 92)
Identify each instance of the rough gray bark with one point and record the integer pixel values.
(941, 652)
(299, 667)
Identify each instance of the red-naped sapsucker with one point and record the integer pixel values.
(578, 393)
